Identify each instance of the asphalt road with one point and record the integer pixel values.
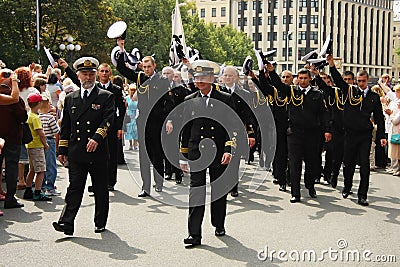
(263, 228)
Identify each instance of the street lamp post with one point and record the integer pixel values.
(287, 48)
(70, 47)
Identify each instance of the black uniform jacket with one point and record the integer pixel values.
(203, 127)
(119, 99)
(240, 98)
(82, 122)
(306, 112)
(358, 109)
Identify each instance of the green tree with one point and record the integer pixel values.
(79, 19)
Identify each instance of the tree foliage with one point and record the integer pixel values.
(87, 21)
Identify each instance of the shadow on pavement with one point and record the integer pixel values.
(236, 251)
(109, 243)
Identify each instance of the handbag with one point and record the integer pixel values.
(26, 134)
(395, 139)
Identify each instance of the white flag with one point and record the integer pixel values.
(178, 44)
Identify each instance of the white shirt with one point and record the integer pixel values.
(89, 91)
(103, 86)
(208, 97)
(305, 90)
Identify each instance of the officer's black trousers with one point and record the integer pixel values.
(303, 146)
(78, 171)
(197, 197)
(281, 154)
(357, 144)
(150, 151)
(112, 140)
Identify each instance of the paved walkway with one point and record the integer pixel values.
(149, 232)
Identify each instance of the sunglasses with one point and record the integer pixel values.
(286, 77)
(361, 81)
(106, 71)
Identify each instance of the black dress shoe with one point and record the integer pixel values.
(99, 229)
(234, 194)
(143, 194)
(219, 232)
(345, 194)
(90, 189)
(12, 205)
(110, 188)
(67, 229)
(317, 181)
(282, 188)
(275, 181)
(178, 181)
(168, 177)
(294, 199)
(192, 240)
(121, 162)
(362, 202)
(312, 193)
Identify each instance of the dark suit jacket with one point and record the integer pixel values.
(82, 122)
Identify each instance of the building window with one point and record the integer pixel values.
(244, 22)
(290, 19)
(259, 6)
(302, 19)
(290, 36)
(314, 3)
(259, 21)
(213, 12)
(313, 35)
(290, 3)
(301, 52)
(302, 35)
(259, 37)
(274, 22)
(284, 52)
(223, 11)
(314, 19)
(202, 12)
(302, 3)
(272, 36)
(240, 6)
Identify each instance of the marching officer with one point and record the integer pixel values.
(308, 117)
(154, 104)
(115, 132)
(87, 116)
(201, 112)
(240, 97)
(178, 92)
(361, 104)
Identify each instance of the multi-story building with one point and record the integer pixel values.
(360, 29)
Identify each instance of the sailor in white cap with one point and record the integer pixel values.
(87, 116)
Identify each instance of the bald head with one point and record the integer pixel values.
(287, 77)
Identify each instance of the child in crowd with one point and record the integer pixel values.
(37, 162)
(50, 128)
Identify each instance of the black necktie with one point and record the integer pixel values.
(85, 96)
(230, 91)
(205, 97)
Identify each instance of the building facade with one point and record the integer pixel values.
(361, 29)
